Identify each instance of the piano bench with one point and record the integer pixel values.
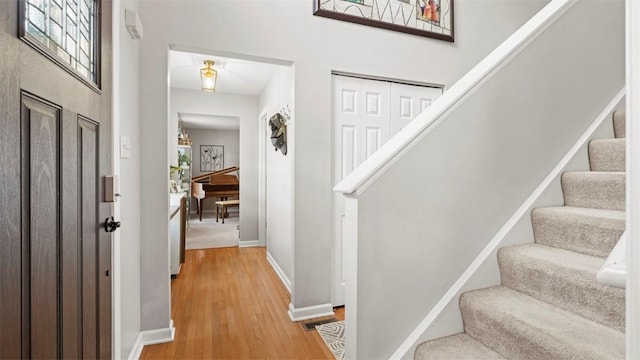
(223, 205)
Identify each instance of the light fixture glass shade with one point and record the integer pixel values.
(208, 77)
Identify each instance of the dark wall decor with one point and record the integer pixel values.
(211, 158)
(278, 125)
(430, 18)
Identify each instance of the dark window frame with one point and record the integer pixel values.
(49, 54)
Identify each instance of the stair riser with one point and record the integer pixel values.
(607, 156)
(594, 190)
(454, 347)
(619, 119)
(574, 291)
(497, 336)
(519, 327)
(595, 238)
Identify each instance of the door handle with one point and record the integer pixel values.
(110, 225)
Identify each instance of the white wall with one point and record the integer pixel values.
(155, 291)
(279, 171)
(287, 30)
(230, 139)
(127, 118)
(245, 108)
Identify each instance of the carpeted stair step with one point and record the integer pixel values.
(619, 119)
(588, 231)
(607, 154)
(594, 189)
(562, 278)
(455, 347)
(518, 326)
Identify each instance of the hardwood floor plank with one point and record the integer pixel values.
(228, 303)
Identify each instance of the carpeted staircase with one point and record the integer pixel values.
(550, 305)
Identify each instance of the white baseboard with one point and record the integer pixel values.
(249, 243)
(310, 312)
(136, 351)
(152, 337)
(283, 277)
(159, 336)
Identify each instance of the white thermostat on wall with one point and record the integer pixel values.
(133, 24)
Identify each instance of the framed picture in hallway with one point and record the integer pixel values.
(429, 18)
(211, 158)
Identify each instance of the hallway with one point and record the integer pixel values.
(228, 303)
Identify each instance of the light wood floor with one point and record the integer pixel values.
(228, 303)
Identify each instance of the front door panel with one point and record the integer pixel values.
(40, 224)
(60, 232)
(88, 160)
(55, 146)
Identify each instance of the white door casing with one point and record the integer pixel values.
(365, 113)
(633, 179)
(263, 119)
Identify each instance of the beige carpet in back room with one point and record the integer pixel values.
(211, 234)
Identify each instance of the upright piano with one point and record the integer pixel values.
(219, 184)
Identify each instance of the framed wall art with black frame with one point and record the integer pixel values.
(211, 158)
(429, 18)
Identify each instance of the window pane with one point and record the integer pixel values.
(66, 28)
(55, 13)
(35, 16)
(55, 32)
(71, 45)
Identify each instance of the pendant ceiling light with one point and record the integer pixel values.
(208, 77)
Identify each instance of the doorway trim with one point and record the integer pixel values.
(262, 177)
(116, 280)
(390, 80)
(633, 182)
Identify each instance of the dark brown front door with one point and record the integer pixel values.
(55, 256)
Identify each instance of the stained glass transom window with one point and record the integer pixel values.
(67, 28)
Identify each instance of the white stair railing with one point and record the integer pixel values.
(614, 270)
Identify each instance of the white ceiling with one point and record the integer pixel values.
(235, 76)
(204, 121)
